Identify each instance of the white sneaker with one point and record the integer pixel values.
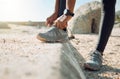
(54, 34)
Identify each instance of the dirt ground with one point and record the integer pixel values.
(85, 43)
(13, 40)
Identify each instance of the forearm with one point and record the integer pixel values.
(70, 5)
(56, 6)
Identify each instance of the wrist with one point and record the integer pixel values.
(67, 18)
(67, 12)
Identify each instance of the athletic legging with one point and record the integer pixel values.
(107, 21)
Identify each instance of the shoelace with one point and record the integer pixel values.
(95, 56)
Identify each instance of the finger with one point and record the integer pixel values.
(49, 25)
(63, 25)
(47, 21)
(55, 23)
(58, 24)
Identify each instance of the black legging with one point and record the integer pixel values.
(107, 21)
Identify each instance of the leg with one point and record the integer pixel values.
(62, 7)
(107, 22)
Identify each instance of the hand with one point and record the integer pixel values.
(51, 19)
(61, 22)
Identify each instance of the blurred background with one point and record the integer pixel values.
(32, 10)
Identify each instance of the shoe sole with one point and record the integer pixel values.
(40, 38)
(86, 66)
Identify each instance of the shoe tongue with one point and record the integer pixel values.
(52, 28)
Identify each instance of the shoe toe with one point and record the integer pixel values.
(91, 65)
(41, 37)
